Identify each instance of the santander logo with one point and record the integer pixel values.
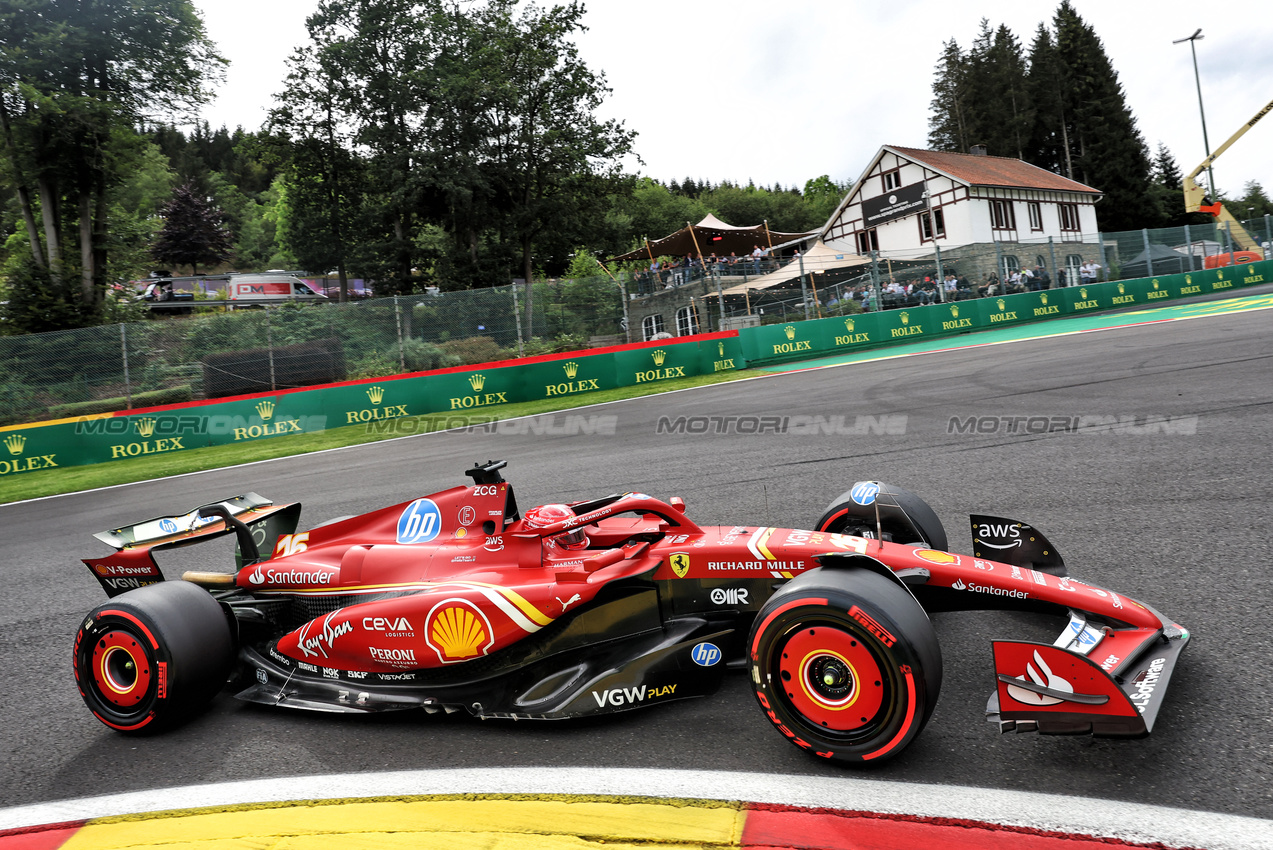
(1042, 675)
(257, 577)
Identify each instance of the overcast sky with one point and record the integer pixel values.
(783, 92)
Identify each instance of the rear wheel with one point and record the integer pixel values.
(153, 657)
(846, 665)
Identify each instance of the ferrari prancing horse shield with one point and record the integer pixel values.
(680, 562)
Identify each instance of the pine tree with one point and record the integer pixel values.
(947, 124)
(1105, 146)
(193, 233)
(1047, 146)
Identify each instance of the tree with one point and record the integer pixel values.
(193, 232)
(948, 124)
(70, 71)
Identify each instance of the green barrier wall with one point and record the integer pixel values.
(477, 390)
(465, 391)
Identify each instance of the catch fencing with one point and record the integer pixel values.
(215, 352)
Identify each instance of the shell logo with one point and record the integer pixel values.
(457, 630)
(936, 556)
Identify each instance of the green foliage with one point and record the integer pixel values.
(193, 232)
(155, 398)
(17, 401)
(475, 349)
(420, 356)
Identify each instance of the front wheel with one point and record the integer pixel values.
(846, 665)
(152, 657)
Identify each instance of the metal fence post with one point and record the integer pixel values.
(1189, 243)
(875, 281)
(804, 289)
(123, 346)
(1100, 240)
(1268, 234)
(1228, 238)
(1000, 271)
(1056, 273)
(397, 321)
(517, 315)
(269, 343)
(941, 277)
(1149, 257)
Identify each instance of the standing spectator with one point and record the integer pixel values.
(756, 254)
(1089, 271)
(1041, 279)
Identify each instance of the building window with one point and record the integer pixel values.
(1069, 216)
(892, 180)
(1073, 264)
(1002, 216)
(868, 241)
(650, 326)
(930, 224)
(1010, 265)
(1036, 216)
(686, 322)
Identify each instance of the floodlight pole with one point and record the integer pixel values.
(1211, 179)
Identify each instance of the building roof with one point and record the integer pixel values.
(999, 171)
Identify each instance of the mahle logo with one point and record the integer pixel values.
(145, 426)
(477, 381)
(15, 443)
(376, 394)
(659, 356)
(266, 409)
(790, 331)
(572, 369)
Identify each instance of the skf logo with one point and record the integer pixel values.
(572, 369)
(848, 325)
(1001, 303)
(790, 331)
(906, 318)
(477, 381)
(954, 311)
(15, 443)
(680, 563)
(659, 356)
(266, 409)
(376, 394)
(145, 426)
(457, 630)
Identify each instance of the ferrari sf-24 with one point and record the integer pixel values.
(457, 601)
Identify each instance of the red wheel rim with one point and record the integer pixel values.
(831, 678)
(121, 669)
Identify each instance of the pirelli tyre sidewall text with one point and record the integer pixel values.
(153, 657)
(846, 665)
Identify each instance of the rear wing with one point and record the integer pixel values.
(257, 521)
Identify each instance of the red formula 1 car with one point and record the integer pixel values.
(458, 602)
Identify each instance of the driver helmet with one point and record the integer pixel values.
(546, 515)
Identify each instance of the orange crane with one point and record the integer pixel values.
(1196, 200)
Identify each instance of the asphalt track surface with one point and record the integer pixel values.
(1176, 519)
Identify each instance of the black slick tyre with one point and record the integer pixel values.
(151, 658)
(846, 665)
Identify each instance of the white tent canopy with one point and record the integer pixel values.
(820, 258)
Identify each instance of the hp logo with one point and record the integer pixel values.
(864, 492)
(705, 654)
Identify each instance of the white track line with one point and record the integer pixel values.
(1128, 821)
